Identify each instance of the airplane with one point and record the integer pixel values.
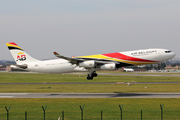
(128, 69)
(90, 63)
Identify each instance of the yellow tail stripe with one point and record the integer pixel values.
(10, 45)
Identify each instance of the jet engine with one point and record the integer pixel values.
(108, 67)
(87, 64)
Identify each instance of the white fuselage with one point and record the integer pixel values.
(53, 66)
(64, 66)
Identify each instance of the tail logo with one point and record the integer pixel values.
(21, 56)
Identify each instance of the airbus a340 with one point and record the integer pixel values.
(91, 63)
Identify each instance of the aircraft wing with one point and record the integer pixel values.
(78, 60)
(71, 60)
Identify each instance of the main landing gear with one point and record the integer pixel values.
(91, 75)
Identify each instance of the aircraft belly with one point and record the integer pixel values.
(59, 68)
(52, 68)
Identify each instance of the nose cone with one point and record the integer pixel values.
(173, 54)
(168, 55)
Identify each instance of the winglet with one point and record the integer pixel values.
(71, 60)
(60, 56)
(55, 53)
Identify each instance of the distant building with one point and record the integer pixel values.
(2, 69)
(7, 68)
(172, 68)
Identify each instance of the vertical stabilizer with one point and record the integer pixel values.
(19, 55)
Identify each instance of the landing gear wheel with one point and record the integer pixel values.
(95, 74)
(89, 77)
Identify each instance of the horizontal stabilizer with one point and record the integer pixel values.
(24, 66)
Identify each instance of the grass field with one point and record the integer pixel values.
(55, 78)
(83, 88)
(90, 88)
(109, 106)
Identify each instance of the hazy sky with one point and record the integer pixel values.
(85, 27)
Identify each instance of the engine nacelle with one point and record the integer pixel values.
(108, 67)
(87, 64)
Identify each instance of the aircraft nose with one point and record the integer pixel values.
(173, 54)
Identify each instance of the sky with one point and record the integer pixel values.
(87, 27)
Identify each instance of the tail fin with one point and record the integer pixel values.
(19, 55)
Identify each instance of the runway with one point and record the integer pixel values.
(89, 95)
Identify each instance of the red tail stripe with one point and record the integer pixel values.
(12, 43)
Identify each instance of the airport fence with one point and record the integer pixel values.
(91, 115)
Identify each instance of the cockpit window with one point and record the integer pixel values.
(167, 51)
